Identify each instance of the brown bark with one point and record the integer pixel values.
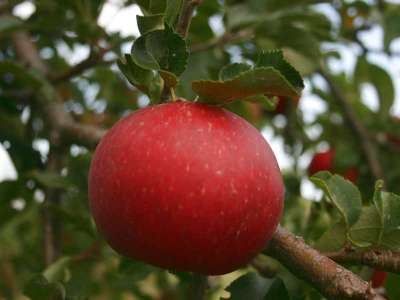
(330, 279)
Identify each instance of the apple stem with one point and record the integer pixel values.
(173, 96)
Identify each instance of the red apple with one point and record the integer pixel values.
(322, 161)
(378, 278)
(351, 174)
(283, 102)
(187, 187)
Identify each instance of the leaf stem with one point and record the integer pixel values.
(173, 96)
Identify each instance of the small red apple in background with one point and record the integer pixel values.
(283, 103)
(324, 161)
(351, 174)
(378, 278)
(187, 187)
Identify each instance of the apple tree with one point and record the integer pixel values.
(146, 164)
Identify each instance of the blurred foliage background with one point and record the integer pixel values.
(48, 243)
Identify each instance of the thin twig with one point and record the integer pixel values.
(61, 125)
(361, 133)
(93, 60)
(182, 28)
(54, 112)
(27, 51)
(330, 279)
(186, 15)
(52, 225)
(9, 278)
(379, 259)
(229, 37)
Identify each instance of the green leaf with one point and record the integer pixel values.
(56, 272)
(51, 179)
(232, 70)
(172, 11)
(344, 195)
(333, 239)
(30, 78)
(380, 79)
(391, 26)
(24, 75)
(9, 23)
(277, 291)
(135, 270)
(269, 103)
(144, 5)
(365, 232)
(147, 81)
(275, 59)
(151, 7)
(161, 50)
(39, 288)
(139, 77)
(253, 286)
(239, 16)
(388, 207)
(254, 82)
(392, 286)
(157, 6)
(150, 23)
(10, 189)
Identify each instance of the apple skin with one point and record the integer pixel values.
(378, 278)
(186, 187)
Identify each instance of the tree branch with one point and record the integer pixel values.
(329, 278)
(94, 59)
(361, 133)
(379, 259)
(52, 225)
(229, 37)
(186, 15)
(70, 130)
(53, 109)
(27, 51)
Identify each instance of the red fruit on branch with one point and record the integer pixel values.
(187, 187)
(378, 278)
(283, 103)
(322, 161)
(351, 174)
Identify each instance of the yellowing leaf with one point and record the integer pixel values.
(259, 81)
